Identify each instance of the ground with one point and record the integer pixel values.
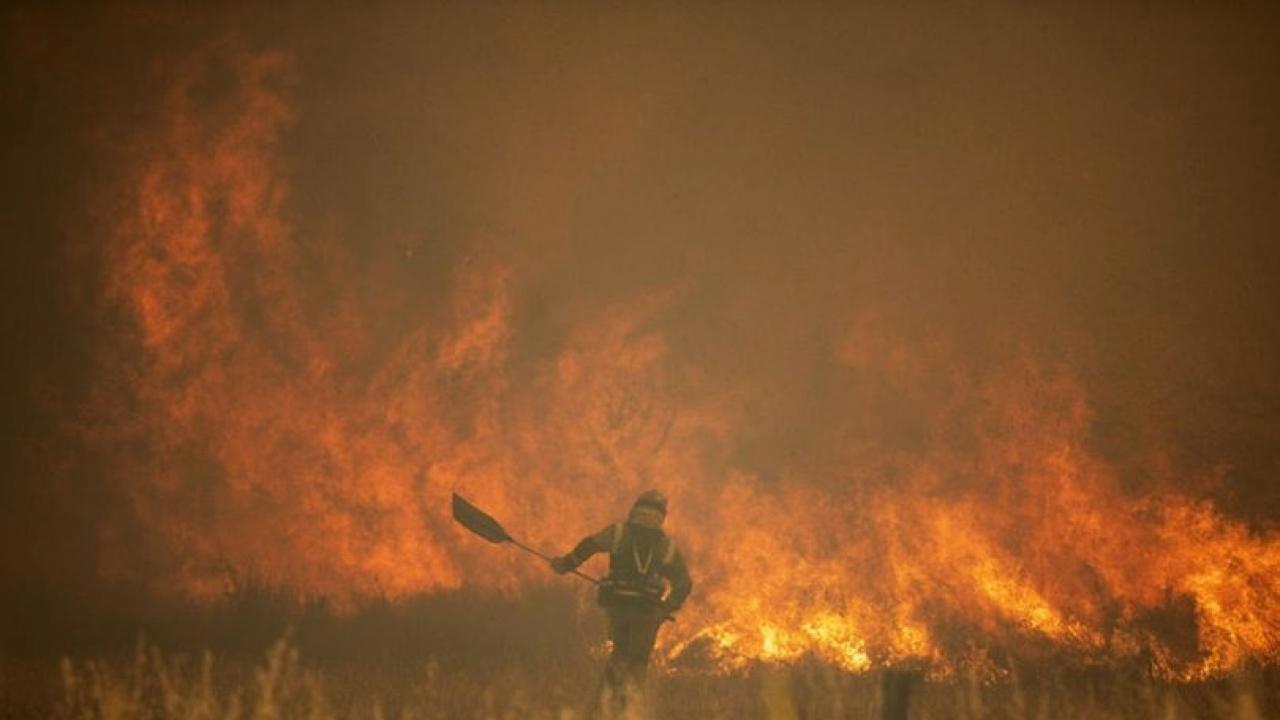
(264, 655)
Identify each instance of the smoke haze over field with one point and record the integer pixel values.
(279, 281)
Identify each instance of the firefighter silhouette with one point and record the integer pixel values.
(647, 583)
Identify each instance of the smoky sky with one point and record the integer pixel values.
(1097, 184)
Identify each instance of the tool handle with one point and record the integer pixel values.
(544, 556)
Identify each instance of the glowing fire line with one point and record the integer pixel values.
(242, 411)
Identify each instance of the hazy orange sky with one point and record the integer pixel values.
(1093, 185)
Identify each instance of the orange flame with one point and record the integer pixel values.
(265, 411)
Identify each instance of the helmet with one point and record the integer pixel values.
(653, 499)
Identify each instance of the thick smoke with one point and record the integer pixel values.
(769, 259)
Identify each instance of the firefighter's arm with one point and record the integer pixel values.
(677, 573)
(590, 545)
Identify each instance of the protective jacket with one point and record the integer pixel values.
(646, 569)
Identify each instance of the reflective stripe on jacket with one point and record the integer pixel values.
(643, 563)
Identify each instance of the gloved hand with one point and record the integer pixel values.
(562, 564)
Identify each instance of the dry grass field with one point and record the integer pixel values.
(283, 685)
(263, 655)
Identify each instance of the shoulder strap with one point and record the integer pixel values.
(670, 553)
(617, 539)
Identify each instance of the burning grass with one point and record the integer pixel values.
(283, 685)
(882, 487)
(262, 654)
(971, 483)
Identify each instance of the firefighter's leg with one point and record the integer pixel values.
(644, 632)
(620, 635)
(637, 630)
(615, 668)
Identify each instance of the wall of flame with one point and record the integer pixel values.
(276, 396)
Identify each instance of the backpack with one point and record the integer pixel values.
(635, 576)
